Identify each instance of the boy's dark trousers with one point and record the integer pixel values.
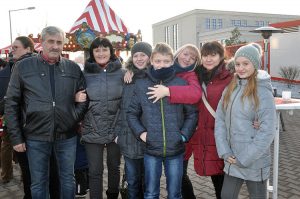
(82, 184)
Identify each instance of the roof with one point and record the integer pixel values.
(288, 26)
(100, 17)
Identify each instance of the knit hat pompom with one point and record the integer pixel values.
(253, 52)
(141, 47)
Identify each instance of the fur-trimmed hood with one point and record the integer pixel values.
(93, 67)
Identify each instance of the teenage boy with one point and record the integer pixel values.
(164, 127)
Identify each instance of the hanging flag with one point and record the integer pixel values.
(100, 17)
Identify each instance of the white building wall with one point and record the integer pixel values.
(284, 51)
(192, 25)
(186, 31)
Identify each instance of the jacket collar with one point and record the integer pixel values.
(42, 59)
(93, 67)
(157, 80)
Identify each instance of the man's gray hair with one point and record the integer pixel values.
(51, 30)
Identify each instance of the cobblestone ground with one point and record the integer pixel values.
(289, 169)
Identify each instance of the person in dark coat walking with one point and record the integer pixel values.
(6, 152)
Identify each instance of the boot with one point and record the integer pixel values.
(81, 182)
(112, 195)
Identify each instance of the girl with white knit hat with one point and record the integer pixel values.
(245, 149)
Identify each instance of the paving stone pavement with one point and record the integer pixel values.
(289, 169)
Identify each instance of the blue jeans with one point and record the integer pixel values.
(39, 153)
(173, 166)
(134, 170)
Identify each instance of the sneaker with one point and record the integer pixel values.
(80, 195)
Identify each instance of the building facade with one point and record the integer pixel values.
(200, 26)
(284, 49)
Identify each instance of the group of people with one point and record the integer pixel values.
(157, 111)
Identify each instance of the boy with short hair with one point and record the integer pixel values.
(164, 127)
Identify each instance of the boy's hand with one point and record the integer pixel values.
(143, 136)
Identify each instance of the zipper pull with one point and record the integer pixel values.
(53, 104)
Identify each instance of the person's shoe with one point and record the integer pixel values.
(80, 195)
(5, 181)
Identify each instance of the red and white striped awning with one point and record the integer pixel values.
(37, 46)
(100, 17)
(5, 50)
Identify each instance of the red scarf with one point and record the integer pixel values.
(50, 61)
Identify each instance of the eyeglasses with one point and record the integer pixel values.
(15, 47)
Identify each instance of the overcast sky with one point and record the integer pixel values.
(136, 14)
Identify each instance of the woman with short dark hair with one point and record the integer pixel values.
(104, 78)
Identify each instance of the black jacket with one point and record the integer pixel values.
(164, 123)
(4, 79)
(130, 146)
(31, 110)
(104, 88)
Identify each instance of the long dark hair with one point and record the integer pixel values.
(102, 42)
(26, 42)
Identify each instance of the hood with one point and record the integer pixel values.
(264, 79)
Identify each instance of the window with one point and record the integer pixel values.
(236, 23)
(207, 23)
(167, 34)
(175, 37)
(259, 23)
(220, 24)
(214, 24)
(244, 23)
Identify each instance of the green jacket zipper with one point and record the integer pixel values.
(163, 127)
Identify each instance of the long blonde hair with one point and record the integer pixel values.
(250, 90)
